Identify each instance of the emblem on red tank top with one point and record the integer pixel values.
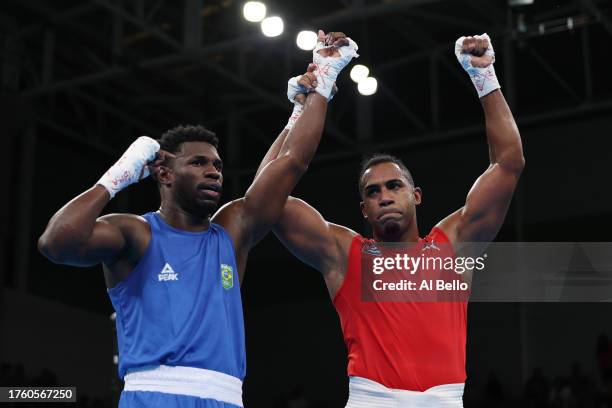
(369, 247)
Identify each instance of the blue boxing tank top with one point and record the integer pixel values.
(181, 306)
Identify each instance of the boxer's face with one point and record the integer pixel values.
(196, 178)
(389, 200)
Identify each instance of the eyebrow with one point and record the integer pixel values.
(384, 182)
(201, 156)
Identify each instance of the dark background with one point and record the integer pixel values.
(82, 79)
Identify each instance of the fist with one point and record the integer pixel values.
(480, 49)
(309, 81)
(332, 41)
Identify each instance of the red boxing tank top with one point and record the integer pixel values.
(402, 345)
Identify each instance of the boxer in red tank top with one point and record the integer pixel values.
(416, 347)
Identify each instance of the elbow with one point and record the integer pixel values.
(514, 162)
(49, 250)
(517, 164)
(296, 165)
(55, 246)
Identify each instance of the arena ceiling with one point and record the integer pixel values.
(100, 72)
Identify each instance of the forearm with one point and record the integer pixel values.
(505, 147)
(273, 151)
(73, 224)
(302, 140)
(265, 199)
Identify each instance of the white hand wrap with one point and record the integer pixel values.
(131, 167)
(294, 89)
(484, 79)
(295, 115)
(328, 68)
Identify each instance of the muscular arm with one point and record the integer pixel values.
(250, 218)
(273, 151)
(316, 242)
(75, 235)
(489, 198)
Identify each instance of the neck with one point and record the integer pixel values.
(178, 218)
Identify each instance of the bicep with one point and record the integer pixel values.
(105, 244)
(485, 207)
(306, 234)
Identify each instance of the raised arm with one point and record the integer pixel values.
(250, 218)
(489, 198)
(76, 236)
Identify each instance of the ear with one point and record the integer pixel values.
(362, 206)
(162, 174)
(418, 195)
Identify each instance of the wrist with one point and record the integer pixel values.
(485, 81)
(295, 115)
(114, 180)
(131, 167)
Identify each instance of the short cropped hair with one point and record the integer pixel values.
(379, 158)
(172, 139)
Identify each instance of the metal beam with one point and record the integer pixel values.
(454, 134)
(596, 12)
(363, 12)
(201, 53)
(117, 36)
(165, 38)
(271, 98)
(442, 19)
(440, 137)
(57, 18)
(509, 67)
(553, 73)
(76, 137)
(114, 111)
(488, 10)
(192, 23)
(218, 69)
(413, 117)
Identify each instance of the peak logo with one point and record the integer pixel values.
(167, 274)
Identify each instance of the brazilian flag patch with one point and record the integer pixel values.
(227, 276)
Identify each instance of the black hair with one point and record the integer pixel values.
(379, 158)
(172, 139)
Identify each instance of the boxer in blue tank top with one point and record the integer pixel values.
(173, 276)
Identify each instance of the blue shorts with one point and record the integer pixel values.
(149, 399)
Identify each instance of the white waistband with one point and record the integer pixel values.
(195, 382)
(364, 393)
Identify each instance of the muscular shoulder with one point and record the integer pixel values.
(135, 230)
(340, 239)
(126, 222)
(230, 217)
(450, 225)
(228, 211)
(343, 237)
